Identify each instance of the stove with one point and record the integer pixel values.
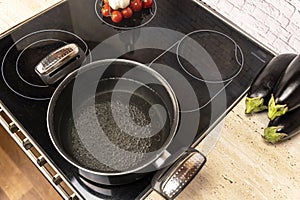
(168, 34)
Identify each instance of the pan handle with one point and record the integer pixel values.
(171, 181)
(59, 63)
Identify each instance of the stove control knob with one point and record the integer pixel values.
(56, 179)
(41, 161)
(59, 63)
(27, 144)
(13, 127)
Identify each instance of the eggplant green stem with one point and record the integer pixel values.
(276, 110)
(255, 104)
(271, 135)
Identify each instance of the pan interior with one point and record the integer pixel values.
(108, 134)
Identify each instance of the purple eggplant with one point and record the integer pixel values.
(283, 127)
(287, 92)
(262, 87)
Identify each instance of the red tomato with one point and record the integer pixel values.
(147, 3)
(127, 12)
(116, 16)
(106, 10)
(136, 5)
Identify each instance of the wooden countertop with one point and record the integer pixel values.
(240, 166)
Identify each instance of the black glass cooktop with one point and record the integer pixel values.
(208, 64)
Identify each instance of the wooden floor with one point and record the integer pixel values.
(19, 178)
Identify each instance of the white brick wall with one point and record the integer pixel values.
(276, 23)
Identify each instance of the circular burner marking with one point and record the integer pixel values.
(17, 61)
(35, 86)
(237, 52)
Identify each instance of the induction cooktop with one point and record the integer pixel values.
(207, 61)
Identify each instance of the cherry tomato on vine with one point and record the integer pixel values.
(127, 12)
(106, 10)
(116, 16)
(147, 3)
(136, 5)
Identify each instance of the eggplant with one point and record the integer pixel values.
(286, 95)
(262, 87)
(283, 127)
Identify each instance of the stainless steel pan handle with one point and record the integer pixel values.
(59, 63)
(171, 181)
